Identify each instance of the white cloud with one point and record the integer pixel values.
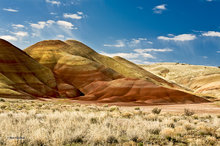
(73, 16)
(148, 62)
(136, 54)
(34, 34)
(149, 42)
(39, 25)
(53, 2)
(146, 55)
(21, 33)
(153, 50)
(65, 24)
(171, 35)
(10, 10)
(119, 44)
(209, 0)
(124, 55)
(129, 55)
(80, 13)
(211, 34)
(8, 38)
(129, 43)
(42, 24)
(52, 13)
(60, 36)
(182, 37)
(138, 40)
(17, 26)
(160, 8)
(218, 51)
(49, 22)
(52, 29)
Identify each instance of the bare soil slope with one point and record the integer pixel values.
(103, 79)
(21, 76)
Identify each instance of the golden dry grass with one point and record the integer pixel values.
(26, 122)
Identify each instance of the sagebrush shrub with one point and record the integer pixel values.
(188, 112)
(156, 110)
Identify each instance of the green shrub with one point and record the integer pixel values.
(136, 108)
(112, 139)
(188, 112)
(2, 100)
(156, 110)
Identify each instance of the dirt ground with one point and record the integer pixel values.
(204, 108)
(200, 108)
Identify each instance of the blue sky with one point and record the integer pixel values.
(143, 31)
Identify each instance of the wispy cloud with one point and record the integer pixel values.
(42, 24)
(138, 40)
(52, 29)
(17, 26)
(8, 38)
(160, 8)
(52, 13)
(53, 2)
(10, 10)
(133, 55)
(132, 43)
(60, 36)
(65, 24)
(39, 25)
(153, 50)
(73, 16)
(182, 37)
(119, 44)
(218, 51)
(20, 34)
(211, 34)
(124, 55)
(138, 53)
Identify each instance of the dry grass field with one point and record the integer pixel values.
(29, 122)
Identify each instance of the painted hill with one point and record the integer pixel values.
(204, 80)
(79, 70)
(23, 77)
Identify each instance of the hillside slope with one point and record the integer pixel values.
(204, 80)
(21, 75)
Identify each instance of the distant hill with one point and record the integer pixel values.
(203, 80)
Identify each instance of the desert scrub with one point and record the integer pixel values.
(188, 112)
(156, 110)
(74, 124)
(2, 100)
